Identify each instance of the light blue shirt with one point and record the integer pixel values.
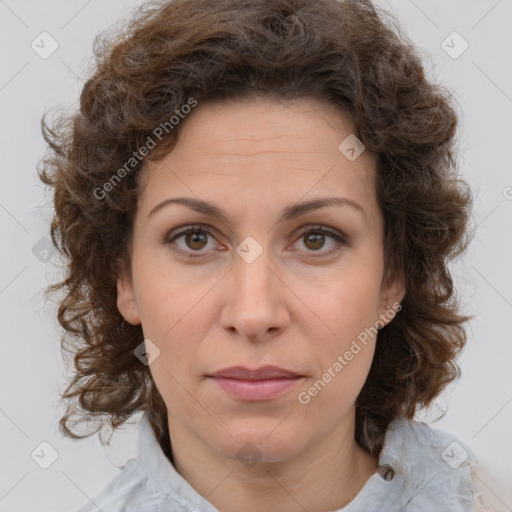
(432, 472)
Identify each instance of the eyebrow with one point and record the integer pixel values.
(290, 212)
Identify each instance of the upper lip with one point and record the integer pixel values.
(263, 373)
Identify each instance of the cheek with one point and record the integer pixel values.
(343, 366)
(350, 310)
(358, 289)
(175, 371)
(344, 305)
(176, 315)
(168, 299)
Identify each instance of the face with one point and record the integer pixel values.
(264, 284)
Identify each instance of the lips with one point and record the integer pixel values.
(264, 373)
(265, 383)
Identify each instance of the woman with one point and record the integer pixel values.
(258, 202)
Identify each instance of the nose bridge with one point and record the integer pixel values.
(252, 273)
(253, 301)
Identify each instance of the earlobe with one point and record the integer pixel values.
(126, 301)
(391, 299)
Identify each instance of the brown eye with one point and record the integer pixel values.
(196, 239)
(315, 239)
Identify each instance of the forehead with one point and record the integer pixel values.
(262, 150)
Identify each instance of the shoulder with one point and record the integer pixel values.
(131, 481)
(434, 467)
(436, 446)
(134, 490)
(147, 483)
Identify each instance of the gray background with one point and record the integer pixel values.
(479, 408)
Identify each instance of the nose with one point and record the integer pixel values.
(254, 305)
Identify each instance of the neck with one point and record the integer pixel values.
(326, 475)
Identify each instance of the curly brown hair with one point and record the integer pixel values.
(349, 53)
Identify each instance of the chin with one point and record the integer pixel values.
(262, 441)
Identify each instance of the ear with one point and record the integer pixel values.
(392, 293)
(126, 301)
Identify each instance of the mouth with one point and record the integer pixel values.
(261, 384)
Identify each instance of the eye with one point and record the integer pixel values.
(195, 239)
(314, 240)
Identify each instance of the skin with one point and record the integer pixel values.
(299, 305)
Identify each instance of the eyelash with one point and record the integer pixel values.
(337, 237)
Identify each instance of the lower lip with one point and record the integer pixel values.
(256, 389)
